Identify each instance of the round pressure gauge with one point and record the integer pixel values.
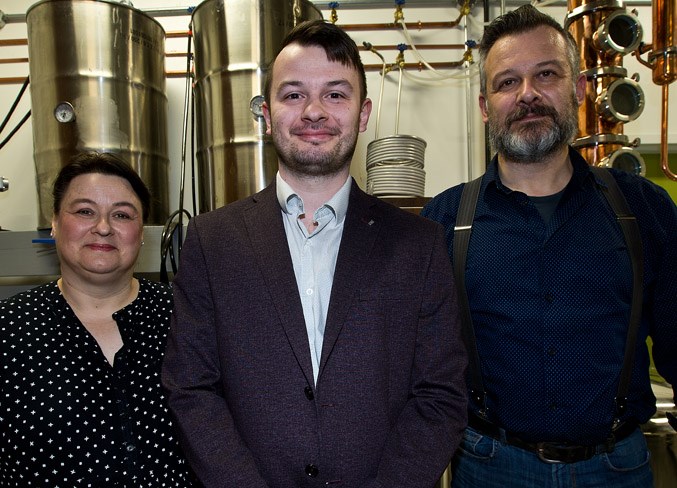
(256, 105)
(64, 113)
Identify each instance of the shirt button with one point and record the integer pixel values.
(549, 298)
(309, 291)
(130, 448)
(551, 352)
(308, 391)
(312, 471)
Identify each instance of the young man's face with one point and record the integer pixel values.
(314, 113)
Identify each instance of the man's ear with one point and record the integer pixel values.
(266, 115)
(483, 108)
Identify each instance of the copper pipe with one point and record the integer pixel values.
(418, 66)
(178, 34)
(664, 46)
(465, 9)
(13, 42)
(24, 41)
(663, 58)
(177, 74)
(420, 47)
(178, 54)
(367, 67)
(15, 80)
(13, 60)
(391, 25)
(665, 164)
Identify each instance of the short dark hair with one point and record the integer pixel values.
(338, 46)
(524, 19)
(103, 163)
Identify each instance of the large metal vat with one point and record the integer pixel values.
(97, 79)
(235, 40)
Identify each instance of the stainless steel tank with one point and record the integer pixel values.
(97, 79)
(235, 40)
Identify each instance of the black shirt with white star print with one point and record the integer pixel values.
(69, 418)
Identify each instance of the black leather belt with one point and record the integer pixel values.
(551, 452)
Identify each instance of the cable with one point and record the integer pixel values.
(468, 73)
(14, 131)
(419, 56)
(192, 154)
(184, 138)
(13, 107)
(167, 243)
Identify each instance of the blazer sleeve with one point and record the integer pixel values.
(430, 426)
(191, 377)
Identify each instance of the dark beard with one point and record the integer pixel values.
(310, 164)
(305, 164)
(533, 142)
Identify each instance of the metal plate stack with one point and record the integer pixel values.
(395, 166)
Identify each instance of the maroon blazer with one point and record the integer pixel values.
(390, 403)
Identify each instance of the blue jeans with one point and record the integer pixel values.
(483, 462)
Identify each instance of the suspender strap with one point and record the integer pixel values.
(630, 228)
(464, 221)
(633, 241)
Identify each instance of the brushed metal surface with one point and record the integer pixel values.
(106, 60)
(235, 40)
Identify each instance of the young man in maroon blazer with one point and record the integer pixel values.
(315, 338)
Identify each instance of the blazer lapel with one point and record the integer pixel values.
(269, 242)
(360, 230)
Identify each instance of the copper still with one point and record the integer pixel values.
(605, 32)
(662, 60)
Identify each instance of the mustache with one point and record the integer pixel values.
(315, 127)
(522, 112)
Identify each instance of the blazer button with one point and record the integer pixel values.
(312, 471)
(308, 391)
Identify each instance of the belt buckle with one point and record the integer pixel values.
(543, 451)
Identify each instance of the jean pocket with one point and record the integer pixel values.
(629, 454)
(477, 445)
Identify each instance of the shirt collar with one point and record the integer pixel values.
(290, 201)
(581, 171)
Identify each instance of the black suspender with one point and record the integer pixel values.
(464, 221)
(630, 228)
(633, 241)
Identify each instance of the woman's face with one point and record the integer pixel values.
(99, 228)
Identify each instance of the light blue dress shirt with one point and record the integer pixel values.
(314, 256)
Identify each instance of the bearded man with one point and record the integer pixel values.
(549, 282)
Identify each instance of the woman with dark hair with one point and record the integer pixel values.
(80, 396)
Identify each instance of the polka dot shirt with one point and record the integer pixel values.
(67, 417)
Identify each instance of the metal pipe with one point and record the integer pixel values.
(399, 97)
(13, 80)
(468, 113)
(664, 58)
(13, 42)
(665, 164)
(345, 4)
(371, 48)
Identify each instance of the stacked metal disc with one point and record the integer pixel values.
(395, 166)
